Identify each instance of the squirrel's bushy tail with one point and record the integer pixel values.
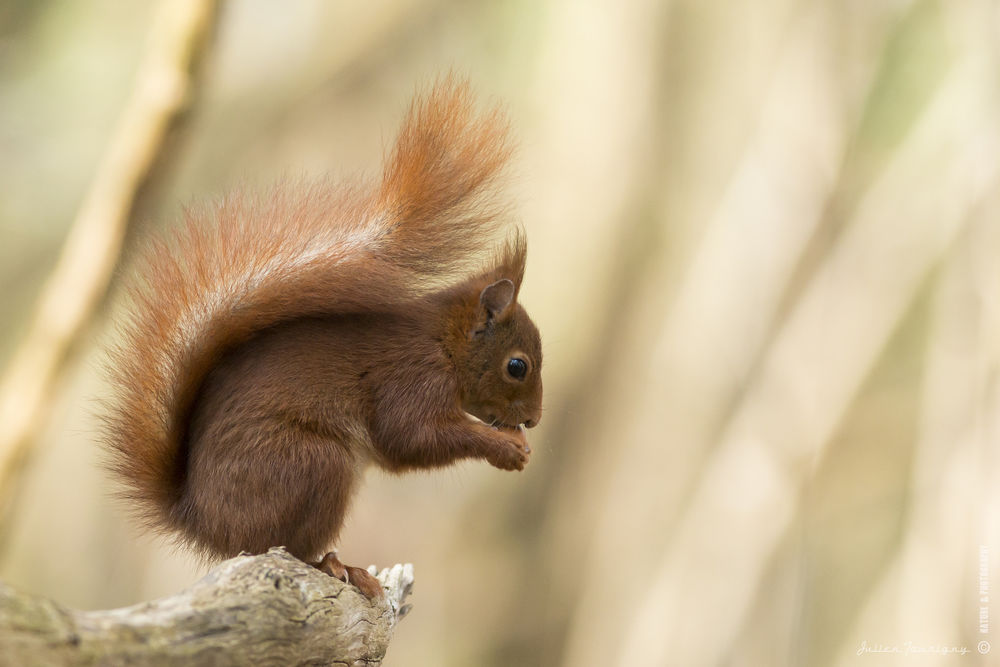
(437, 186)
(253, 261)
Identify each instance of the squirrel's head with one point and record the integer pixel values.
(501, 372)
(497, 350)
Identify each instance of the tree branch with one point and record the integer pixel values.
(270, 609)
(85, 266)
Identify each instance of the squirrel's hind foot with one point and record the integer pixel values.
(369, 586)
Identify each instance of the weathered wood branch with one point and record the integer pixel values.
(270, 609)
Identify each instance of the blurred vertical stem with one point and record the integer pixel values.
(80, 279)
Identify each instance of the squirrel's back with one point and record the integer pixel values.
(252, 261)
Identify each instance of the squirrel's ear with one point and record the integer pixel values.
(496, 298)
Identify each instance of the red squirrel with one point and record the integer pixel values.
(279, 343)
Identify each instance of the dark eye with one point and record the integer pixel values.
(517, 368)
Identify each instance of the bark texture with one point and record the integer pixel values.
(269, 609)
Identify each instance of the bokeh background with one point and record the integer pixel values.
(765, 259)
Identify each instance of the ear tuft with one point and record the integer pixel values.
(497, 297)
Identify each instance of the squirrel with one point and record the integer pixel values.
(279, 343)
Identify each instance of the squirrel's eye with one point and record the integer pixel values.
(517, 368)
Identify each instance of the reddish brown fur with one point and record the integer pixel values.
(283, 341)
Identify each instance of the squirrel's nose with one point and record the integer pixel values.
(526, 414)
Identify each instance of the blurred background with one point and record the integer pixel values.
(764, 252)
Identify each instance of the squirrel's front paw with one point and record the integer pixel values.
(511, 452)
